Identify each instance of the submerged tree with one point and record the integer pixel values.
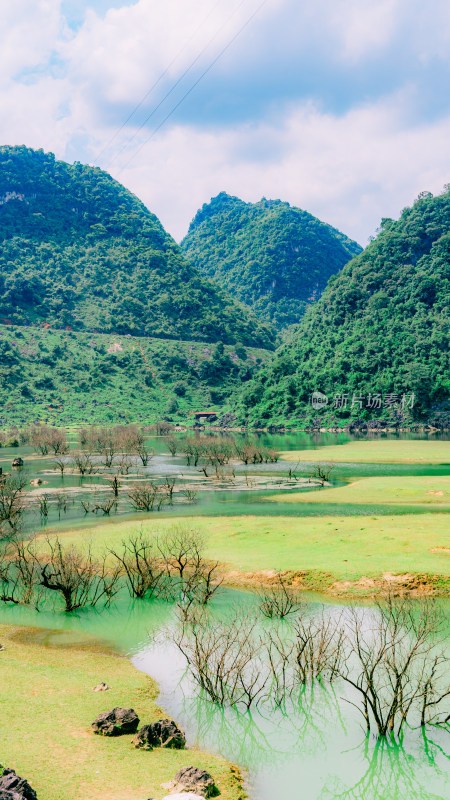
(279, 600)
(398, 665)
(80, 578)
(140, 563)
(20, 573)
(11, 504)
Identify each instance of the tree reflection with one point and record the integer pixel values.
(391, 773)
(266, 736)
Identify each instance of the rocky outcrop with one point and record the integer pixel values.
(12, 787)
(116, 722)
(195, 780)
(164, 733)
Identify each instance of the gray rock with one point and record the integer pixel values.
(116, 722)
(164, 733)
(12, 787)
(193, 779)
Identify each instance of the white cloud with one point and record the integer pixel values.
(349, 171)
(349, 168)
(125, 52)
(29, 30)
(364, 28)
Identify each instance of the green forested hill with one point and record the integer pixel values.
(68, 377)
(381, 327)
(77, 249)
(275, 258)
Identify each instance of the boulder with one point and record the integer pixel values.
(116, 722)
(17, 462)
(164, 733)
(14, 788)
(195, 780)
(101, 687)
(35, 481)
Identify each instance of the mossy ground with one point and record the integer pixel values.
(47, 705)
(377, 451)
(327, 548)
(411, 489)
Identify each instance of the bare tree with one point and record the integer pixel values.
(146, 496)
(20, 573)
(401, 667)
(115, 484)
(181, 549)
(168, 486)
(172, 445)
(141, 565)
(108, 446)
(11, 504)
(105, 504)
(46, 439)
(61, 503)
(322, 472)
(58, 441)
(60, 464)
(319, 650)
(85, 505)
(125, 464)
(43, 504)
(84, 463)
(279, 601)
(194, 580)
(190, 494)
(78, 577)
(224, 658)
(139, 446)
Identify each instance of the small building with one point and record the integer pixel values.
(205, 416)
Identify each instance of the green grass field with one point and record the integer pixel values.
(407, 490)
(379, 451)
(326, 548)
(47, 706)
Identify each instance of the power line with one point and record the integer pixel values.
(157, 82)
(177, 82)
(205, 72)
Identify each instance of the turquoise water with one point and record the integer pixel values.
(314, 750)
(211, 502)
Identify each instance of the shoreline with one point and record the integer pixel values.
(31, 646)
(415, 585)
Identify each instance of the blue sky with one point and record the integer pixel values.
(341, 107)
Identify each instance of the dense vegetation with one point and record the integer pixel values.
(380, 328)
(77, 249)
(66, 377)
(274, 258)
